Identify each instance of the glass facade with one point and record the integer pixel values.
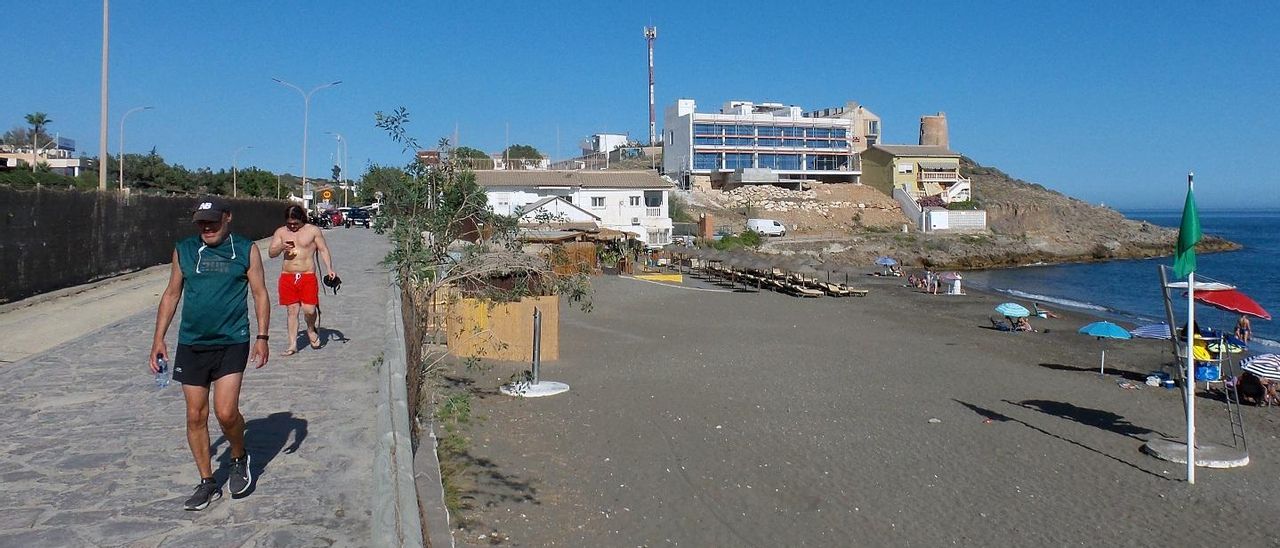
(735, 161)
(771, 145)
(825, 162)
(706, 160)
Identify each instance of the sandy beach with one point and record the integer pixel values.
(706, 418)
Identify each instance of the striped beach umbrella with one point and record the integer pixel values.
(1153, 331)
(1266, 366)
(1013, 310)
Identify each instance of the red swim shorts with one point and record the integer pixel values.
(299, 287)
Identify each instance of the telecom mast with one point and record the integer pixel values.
(651, 34)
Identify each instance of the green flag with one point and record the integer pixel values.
(1184, 257)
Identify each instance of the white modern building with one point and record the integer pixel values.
(706, 148)
(637, 202)
(59, 155)
(603, 143)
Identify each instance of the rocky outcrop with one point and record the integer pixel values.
(1028, 224)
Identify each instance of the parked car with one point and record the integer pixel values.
(359, 217)
(767, 227)
(335, 218)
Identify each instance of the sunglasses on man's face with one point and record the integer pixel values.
(293, 224)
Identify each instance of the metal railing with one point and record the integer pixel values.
(510, 164)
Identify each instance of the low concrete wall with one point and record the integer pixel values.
(940, 219)
(52, 239)
(909, 207)
(397, 521)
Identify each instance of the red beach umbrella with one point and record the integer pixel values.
(1232, 300)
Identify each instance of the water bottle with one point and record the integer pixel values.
(164, 374)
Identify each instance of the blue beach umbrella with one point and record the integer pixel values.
(886, 261)
(1104, 330)
(1153, 331)
(1013, 310)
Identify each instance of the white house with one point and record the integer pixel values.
(554, 209)
(631, 201)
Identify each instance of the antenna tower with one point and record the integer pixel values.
(651, 34)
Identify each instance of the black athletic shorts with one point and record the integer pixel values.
(200, 365)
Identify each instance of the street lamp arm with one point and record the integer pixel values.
(306, 110)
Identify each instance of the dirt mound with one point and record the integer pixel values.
(822, 210)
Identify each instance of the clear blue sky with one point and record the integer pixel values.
(1105, 101)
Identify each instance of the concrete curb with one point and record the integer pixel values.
(426, 466)
(396, 520)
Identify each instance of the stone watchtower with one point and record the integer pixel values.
(933, 130)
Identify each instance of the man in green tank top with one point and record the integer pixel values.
(213, 272)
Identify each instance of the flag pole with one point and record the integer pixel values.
(1189, 379)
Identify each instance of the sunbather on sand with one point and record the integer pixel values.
(1042, 312)
(1022, 324)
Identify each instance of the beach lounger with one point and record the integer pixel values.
(835, 290)
(859, 292)
(802, 291)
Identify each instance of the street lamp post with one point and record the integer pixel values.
(345, 161)
(291, 166)
(235, 189)
(122, 119)
(306, 112)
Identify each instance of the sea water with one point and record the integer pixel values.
(1129, 291)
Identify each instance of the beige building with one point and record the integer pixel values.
(865, 130)
(919, 170)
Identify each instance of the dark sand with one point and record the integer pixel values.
(732, 419)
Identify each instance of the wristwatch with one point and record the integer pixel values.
(263, 337)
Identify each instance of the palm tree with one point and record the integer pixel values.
(37, 120)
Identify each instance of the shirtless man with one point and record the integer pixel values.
(299, 288)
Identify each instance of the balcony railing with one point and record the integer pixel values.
(941, 176)
(653, 212)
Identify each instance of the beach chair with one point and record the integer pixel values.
(859, 292)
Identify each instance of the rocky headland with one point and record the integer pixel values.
(1028, 224)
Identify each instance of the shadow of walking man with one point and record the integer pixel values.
(265, 438)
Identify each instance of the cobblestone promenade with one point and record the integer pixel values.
(91, 454)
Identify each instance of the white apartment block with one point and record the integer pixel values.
(796, 146)
(637, 202)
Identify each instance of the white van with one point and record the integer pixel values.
(767, 227)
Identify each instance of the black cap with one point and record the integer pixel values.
(210, 208)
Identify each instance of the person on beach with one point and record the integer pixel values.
(1243, 330)
(213, 272)
(1042, 312)
(1023, 324)
(1255, 390)
(299, 288)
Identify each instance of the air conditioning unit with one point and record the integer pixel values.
(635, 221)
